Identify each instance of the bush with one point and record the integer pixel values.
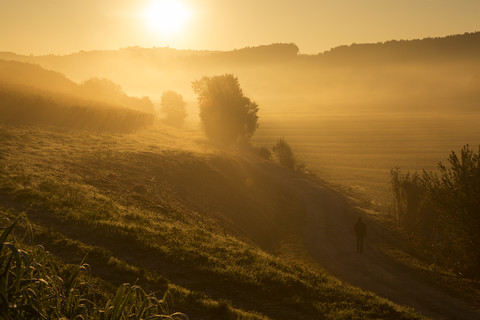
(264, 153)
(284, 154)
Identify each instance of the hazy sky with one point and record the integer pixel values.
(63, 26)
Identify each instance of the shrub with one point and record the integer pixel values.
(284, 154)
(263, 152)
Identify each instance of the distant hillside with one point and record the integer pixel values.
(454, 46)
(433, 74)
(465, 46)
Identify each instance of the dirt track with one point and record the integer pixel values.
(331, 242)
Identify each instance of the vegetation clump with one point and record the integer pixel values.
(443, 209)
(32, 286)
(284, 154)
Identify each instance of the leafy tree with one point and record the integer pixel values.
(173, 107)
(284, 154)
(226, 114)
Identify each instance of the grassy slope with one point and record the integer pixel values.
(158, 207)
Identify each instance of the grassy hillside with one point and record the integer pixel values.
(164, 209)
(26, 106)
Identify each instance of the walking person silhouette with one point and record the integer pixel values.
(360, 232)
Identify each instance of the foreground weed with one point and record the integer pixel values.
(32, 287)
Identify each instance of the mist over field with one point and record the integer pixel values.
(226, 184)
(353, 112)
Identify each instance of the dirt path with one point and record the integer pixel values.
(331, 242)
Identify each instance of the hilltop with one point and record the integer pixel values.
(454, 46)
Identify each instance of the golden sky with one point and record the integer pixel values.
(64, 26)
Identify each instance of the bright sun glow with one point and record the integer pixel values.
(167, 17)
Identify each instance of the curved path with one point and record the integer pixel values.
(330, 240)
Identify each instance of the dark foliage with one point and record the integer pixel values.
(444, 210)
(284, 153)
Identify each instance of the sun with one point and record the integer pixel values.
(166, 17)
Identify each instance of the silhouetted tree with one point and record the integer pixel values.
(226, 114)
(284, 153)
(173, 107)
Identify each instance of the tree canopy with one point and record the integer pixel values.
(226, 113)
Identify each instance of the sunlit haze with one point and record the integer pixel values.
(166, 17)
(242, 159)
(45, 26)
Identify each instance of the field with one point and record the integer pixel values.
(356, 152)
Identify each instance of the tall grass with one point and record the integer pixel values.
(32, 287)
